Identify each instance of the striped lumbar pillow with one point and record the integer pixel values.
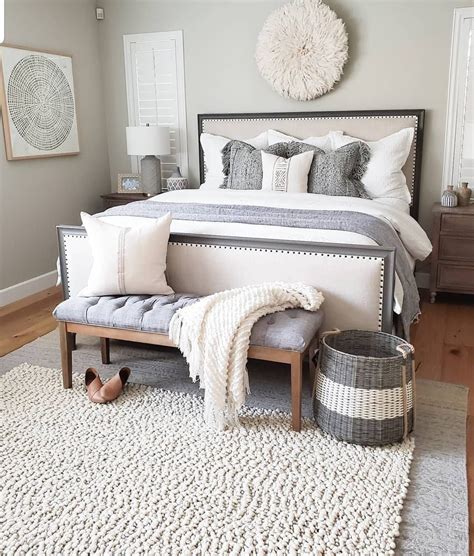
(289, 175)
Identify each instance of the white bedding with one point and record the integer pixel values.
(413, 237)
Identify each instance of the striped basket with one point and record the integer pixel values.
(364, 391)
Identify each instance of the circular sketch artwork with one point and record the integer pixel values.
(302, 49)
(41, 102)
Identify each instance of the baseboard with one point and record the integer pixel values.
(423, 280)
(30, 287)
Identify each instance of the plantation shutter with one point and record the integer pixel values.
(154, 66)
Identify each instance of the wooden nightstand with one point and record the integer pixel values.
(116, 199)
(452, 263)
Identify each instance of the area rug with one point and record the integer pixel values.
(434, 515)
(144, 475)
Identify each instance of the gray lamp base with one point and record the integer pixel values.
(151, 174)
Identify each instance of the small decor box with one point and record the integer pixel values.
(176, 181)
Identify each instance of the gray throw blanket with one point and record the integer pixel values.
(370, 226)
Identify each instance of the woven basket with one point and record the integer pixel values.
(364, 391)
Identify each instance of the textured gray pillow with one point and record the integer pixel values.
(333, 173)
(337, 172)
(242, 164)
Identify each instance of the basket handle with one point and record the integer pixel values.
(406, 349)
(318, 362)
(329, 333)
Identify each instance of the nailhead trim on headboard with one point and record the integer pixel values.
(308, 253)
(66, 257)
(412, 185)
(415, 142)
(382, 277)
(68, 235)
(272, 119)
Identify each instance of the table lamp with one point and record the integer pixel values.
(149, 141)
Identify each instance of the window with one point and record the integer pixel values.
(154, 69)
(459, 145)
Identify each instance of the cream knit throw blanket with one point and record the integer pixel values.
(214, 335)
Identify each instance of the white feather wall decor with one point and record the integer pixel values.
(302, 49)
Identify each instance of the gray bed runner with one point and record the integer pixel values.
(367, 225)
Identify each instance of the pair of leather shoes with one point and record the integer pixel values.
(111, 390)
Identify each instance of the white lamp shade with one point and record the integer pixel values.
(148, 140)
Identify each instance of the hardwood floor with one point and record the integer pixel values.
(25, 320)
(444, 342)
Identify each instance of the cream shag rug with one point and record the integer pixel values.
(143, 475)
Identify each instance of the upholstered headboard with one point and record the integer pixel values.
(369, 125)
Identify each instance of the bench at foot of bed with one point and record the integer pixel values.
(284, 337)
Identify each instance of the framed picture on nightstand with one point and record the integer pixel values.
(129, 183)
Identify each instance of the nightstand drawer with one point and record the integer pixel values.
(461, 224)
(458, 249)
(117, 199)
(455, 277)
(109, 203)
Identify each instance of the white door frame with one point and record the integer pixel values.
(177, 37)
(458, 62)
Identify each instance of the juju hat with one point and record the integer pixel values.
(302, 49)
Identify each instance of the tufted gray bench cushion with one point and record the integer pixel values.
(291, 330)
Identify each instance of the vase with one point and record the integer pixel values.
(176, 181)
(449, 197)
(464, 194)
(150, 174)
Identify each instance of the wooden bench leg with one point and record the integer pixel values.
(105, 350)
(296, 387)
(66, 342)
(73, 340)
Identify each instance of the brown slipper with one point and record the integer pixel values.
(112, 389)
(94, 385)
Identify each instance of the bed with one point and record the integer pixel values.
(222, 239)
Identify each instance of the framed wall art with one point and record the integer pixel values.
(38, 104)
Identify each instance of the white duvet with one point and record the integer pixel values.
(413, 237)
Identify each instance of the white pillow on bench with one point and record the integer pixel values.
(127, 261)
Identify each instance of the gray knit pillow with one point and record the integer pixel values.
(242, 164)
(334, 173)
(337, 172)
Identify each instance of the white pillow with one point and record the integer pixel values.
(324, 142)
(384, 177)
(212, 146)
(289, 175)
(127, 261)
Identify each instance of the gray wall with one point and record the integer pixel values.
(399, 58)
(37, 195)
